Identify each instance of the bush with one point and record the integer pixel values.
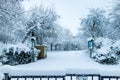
(105, 51)
(106, 58)
(18, 54)
(116, 47)
(103, 42)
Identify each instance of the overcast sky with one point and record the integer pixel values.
(71, 11)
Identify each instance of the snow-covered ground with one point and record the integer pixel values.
(61, 63)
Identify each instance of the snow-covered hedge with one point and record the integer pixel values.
(106, 51)
(14, 54)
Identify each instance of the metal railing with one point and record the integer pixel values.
(63, 77)
(110, 77)
(83, 76)
(39, 77)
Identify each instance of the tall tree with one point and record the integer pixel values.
(94, 25)
(114, 19)
(11, 19)
(43, 23)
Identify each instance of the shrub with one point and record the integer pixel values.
(105, 51)
(116, 47)
(108, 58)
(18, 54)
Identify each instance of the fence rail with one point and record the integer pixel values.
(110, 77)
(62, 77)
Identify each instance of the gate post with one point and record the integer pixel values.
(6, 76)
(100, 78)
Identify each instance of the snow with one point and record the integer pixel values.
(90, 39)
(116, 45)
(105, 43)
(108, 72)
(18, 47)
(106, 48)
(1, 74)
(61, 63)
(103, 50)
(30, 71)
(2, 46)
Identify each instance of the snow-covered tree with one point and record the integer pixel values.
(114, 19)
(66, 39)
(94, 25)
(11, 20)
(43, 23)
(82, 39)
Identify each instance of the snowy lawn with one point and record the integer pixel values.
(61, 63)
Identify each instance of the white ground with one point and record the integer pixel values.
(61, 63)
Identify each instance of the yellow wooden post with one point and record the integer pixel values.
(43, 51)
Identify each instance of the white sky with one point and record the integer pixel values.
(71, 11)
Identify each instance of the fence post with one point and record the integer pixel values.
(64, 78)
(101, 78)
(6, 76)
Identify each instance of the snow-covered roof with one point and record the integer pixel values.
(63, 62)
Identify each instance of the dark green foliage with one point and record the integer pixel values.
(15, 58)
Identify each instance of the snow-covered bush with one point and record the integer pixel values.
(116, 47)
(105, 56)
(14, 54)
(103, 42)
(104, 52)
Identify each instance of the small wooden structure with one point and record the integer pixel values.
(43, 51)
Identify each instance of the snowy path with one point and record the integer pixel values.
(63, 62)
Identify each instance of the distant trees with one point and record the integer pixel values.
(94, 25)
(43, 22)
